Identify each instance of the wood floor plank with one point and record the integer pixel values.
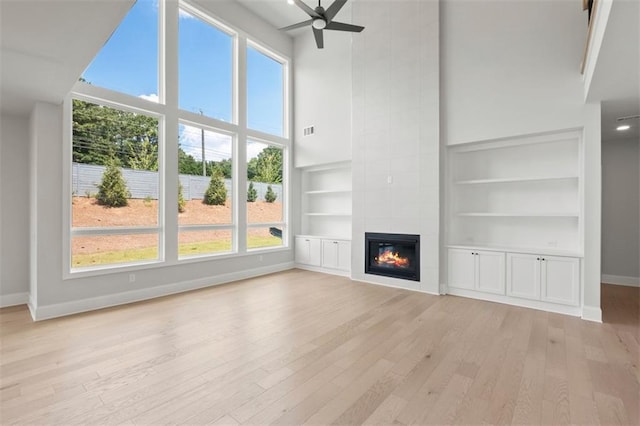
(300, 347)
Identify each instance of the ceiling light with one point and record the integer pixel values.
(319, 24)
(623, 128)
(290, 1)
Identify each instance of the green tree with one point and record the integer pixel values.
(269, 165)
(143, 155)
(222, 166)
(112, 191)
(252, 194)
(101, 133)
(181, 203)
(216, 193)
(270, 196)
(187, 165)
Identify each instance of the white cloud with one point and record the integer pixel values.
(254, 148)
(184, 14)
(217, 146)
(152, 97)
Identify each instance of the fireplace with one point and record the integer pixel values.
(392, 255)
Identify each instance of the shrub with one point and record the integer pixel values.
(270, 196)
(216, 193)
(252, 194)
(181, 203)
(112, 191)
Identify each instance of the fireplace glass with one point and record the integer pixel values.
(393, 255)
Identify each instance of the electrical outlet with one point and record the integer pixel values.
(132, 278)
(389, 179)
(260, 258)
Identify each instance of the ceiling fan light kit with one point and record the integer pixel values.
(322, 19)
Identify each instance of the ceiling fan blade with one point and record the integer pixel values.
(339, 26)
(334, 9)
(309, 11)
(298, 25)
(319, 38)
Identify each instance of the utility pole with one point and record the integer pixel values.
(204, 163)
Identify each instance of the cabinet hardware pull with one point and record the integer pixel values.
(538, 258)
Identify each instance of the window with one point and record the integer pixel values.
(114, 186)
(264, 195)
(124, 140)
(265, 92)
(205, 68)
(206, 187)
(128, 63)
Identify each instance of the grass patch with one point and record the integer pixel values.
(184, 250)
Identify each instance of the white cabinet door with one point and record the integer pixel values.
(523, 275)
(462, 269)
(330, 252)
(307, 251)
(560, 280)
(490, 271)
(344, 255)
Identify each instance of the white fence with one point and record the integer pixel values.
(144, 184)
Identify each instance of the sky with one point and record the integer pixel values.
(128, 63)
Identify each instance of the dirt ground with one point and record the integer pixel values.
(87, 213)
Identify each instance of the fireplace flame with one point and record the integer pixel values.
(391, 258)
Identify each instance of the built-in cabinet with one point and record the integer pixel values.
(325, 239)
(477, 270)
(514, 220)
(553, 279)
(331, 255)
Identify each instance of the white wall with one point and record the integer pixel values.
(14, 210)
(621, 210)
(510, 67)
(396, 131)
(322, 96)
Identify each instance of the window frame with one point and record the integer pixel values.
(284, 224)
(169, 115)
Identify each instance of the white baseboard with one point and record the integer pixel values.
(621, 280)
(592, 313)
(14, 299)
(514, 301)
(324, 270)
(77, 306)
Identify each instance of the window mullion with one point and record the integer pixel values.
(170, 159)
(241, 157)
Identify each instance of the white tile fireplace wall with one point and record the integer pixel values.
(395, 113)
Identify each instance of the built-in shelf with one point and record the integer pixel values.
(528, 215)
(514, 180)
(326, 200)
(328, 191)
(521, 194)
(329, 214)
(551, 251)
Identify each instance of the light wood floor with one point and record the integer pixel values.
(301, 347)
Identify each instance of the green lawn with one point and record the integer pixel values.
(184, 250)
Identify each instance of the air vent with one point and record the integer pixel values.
(308, 131)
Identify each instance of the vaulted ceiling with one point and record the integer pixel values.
(46, 45)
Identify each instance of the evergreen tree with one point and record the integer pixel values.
(181, 202)
(252, 194)
(270, 196)
(216, 193)
(112, 191)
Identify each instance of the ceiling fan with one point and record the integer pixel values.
(322, 19)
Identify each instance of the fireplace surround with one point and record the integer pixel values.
(392, 255)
